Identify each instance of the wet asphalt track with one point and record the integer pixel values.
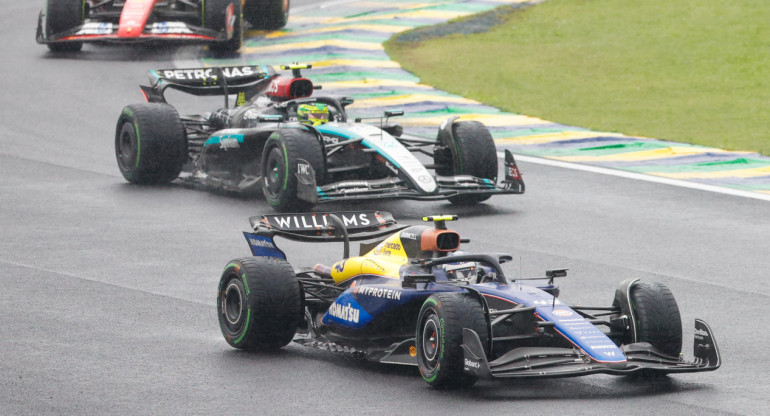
(107, 291)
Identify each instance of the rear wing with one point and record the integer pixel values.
(248, 80)
(344, 226)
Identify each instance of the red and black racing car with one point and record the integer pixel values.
(64, 25)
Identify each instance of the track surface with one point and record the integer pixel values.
(107, 291)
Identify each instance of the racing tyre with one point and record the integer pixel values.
(63, 15)
(283, 149)
(224, 16)
(150, 143)
(439, 337)
(266, 14)
(472, 152)
(657, 317)
(259, 303)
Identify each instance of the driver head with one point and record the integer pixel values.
(313, 114)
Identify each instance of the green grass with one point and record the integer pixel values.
(684, 70)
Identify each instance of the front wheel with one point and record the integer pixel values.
(284, 155)
(657, 318)
(266, 14)
(467, 148)
(150, 143)
(259, 303)
(224, 16)
(439, 337)
(61, 16)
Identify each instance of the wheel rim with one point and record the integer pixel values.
(430, 345)
(232, 304)
(126, 147)
(274, 172)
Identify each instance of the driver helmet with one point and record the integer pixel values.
(313, 114)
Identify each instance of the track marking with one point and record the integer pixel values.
(641, 177)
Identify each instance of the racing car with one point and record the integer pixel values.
(412, 297)
(297, 148)
(64, 25)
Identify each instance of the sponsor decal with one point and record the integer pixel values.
(303, 168)
(251, 115)
(547, 302)
(603, 347)
(331, 139)
(413, 351)
(206, 74)
(313, 221)
(261, 243)
(161, 28)
(409, 236)
(700, 334)
(378, 292)
(562, 312)
(472, 364)
(228, 143)
(346, 313)
(95, 29)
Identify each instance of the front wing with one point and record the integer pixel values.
(543, 362)
(108, 32)
(395, 187)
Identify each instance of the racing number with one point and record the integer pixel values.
(339, 267)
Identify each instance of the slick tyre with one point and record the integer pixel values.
(657, 318)
(266, 14)
(283, 149)
(224, 16)
(61, 16)
(259, 303)
(150, 143)
(439, 337)
(472, 152)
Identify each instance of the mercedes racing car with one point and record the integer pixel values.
(297, 148)
(64, 25)
(411, 297)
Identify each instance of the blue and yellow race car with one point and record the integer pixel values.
(412, 297)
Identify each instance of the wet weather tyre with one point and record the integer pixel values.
(150, 143)
(439, 337)
(259, 303)
(61, 16)
(266, 14)
(657, 317)
(282, 152)
(222, 16)
(473, 152)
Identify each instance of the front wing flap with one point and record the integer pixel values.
(546, 362)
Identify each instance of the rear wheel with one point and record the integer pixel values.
(657, 317)
(471, 152)
(63, 15)
(439, 337)
(150, 143)
(283, 151)
(266, 14)
(224, 16)
(259, 303)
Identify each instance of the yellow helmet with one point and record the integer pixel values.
(314, 114)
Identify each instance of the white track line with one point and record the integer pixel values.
(641, 177)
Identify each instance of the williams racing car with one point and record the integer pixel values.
(411, 297)
(299, 149)
(64, 25)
